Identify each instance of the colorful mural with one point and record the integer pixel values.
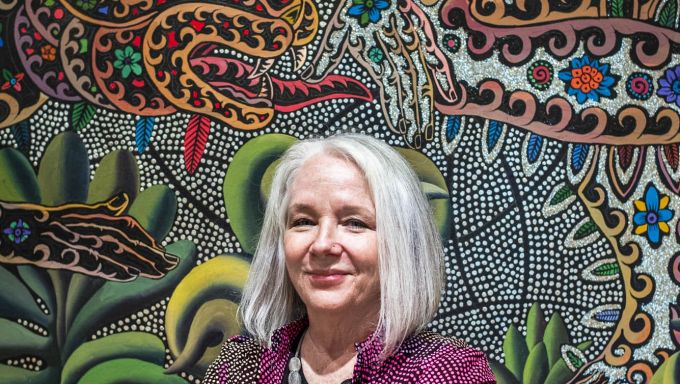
(138, 138)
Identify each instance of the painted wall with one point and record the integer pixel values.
(138, 139)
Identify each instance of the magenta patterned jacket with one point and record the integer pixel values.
(424, 358)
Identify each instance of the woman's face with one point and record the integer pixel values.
(330, 240)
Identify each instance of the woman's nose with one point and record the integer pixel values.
(326, 241)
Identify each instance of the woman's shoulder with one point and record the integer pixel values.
(441, 357)
(239, 355)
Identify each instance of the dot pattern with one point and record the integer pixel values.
(423, 358)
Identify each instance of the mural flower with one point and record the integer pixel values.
(587, 79)
(48, 52)
(367, 11)
(18, 231)
(639, 86)
(669, 85)
(376, 54)
(11, 81)
(127, 60)
(651, 215)
(86, 5)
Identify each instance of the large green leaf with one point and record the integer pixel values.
(116, 173)
(18, 182)
(39, 282)
(536, 368)
(16, 340)
(554, 337)
(129, 371)
(535, 325)
(64, 173)
(428, 173)
(242, 185)
(137, 345)
(80, 289)
(16, 300)
(503, 375)
(515, 351)
(155, 209)
(16, 375)
(668, 372)
(118, 299)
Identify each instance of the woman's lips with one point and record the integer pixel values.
(327, 277)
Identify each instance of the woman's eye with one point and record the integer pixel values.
(356, 223)
(301, 222)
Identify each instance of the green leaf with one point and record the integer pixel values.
(242, 185)
(554, 337)
(559, 373)
(137, 345)
(536, 368)
(16, 300)
(81, 114)
(16, 375)
(6, 74)
(668, 372)
(515, 351)
(38, 281)
(64, 173)
(607, 269)
(618, 8)
(16, 340)
(434, 185)
(129, 371)
(503, 375)
(668, 14)
(18, 182)
(155, 209)
(115, 300)
(562, 194)
(535, 326)
(117, 173)
(585, 230)
(80, 289)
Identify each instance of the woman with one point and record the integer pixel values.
(347, 273)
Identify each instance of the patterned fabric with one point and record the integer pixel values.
(423, 358)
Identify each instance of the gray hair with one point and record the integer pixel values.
(409, 248)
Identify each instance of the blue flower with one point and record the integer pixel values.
(588, 79)
(367, 11)
(651, 215)
(669, 85)
(18, 231)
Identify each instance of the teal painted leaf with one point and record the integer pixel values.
(64, 172)
(38, 281)
(22, 136)
(585, 230)
(117, 173)
(453, 126)
(18, 182)
(81, 115)
(136, 345)
(494, 134)
(143, 131)
(115, 300)
(668, 14)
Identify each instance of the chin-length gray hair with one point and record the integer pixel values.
(409, 248)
